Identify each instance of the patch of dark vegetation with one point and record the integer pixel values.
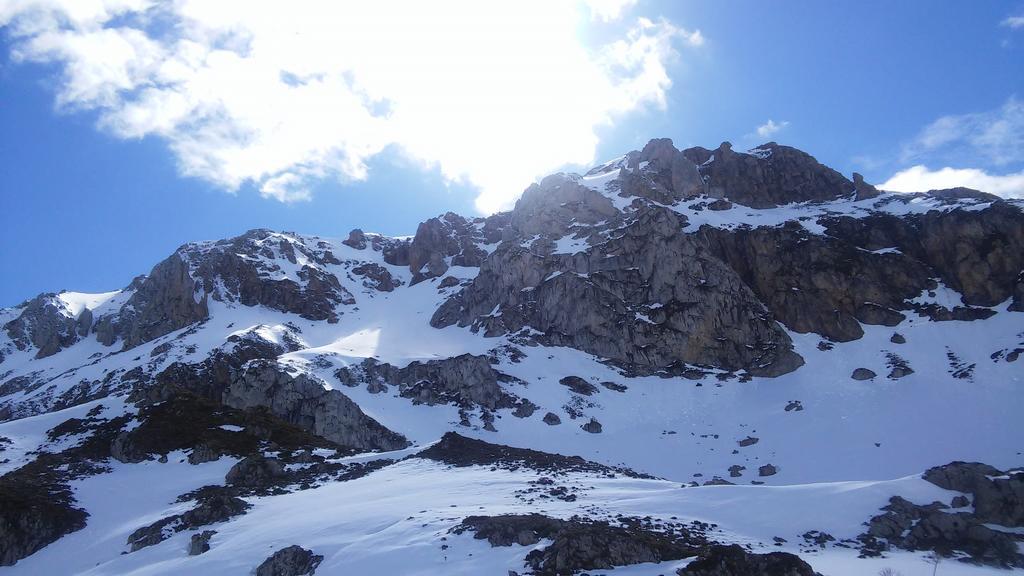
(735, 561)
(998, 499)
(36, 508)
(583, 544)
(187, 421)
(459, 451)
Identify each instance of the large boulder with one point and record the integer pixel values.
(290, 561)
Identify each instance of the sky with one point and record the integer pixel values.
(129, 127)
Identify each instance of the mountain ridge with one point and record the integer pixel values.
(701, 316)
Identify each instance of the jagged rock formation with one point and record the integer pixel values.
(465, 380)
(305, 402)
(166, 300)
(770, 175)
(997, 498)
(696, 263)
(648, 297)
(46, 323)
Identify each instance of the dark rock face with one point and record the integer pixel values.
(552, 419)
(735, 561)
(377, 277)
(976, 252)
(290, 561)
(556, 203)
(166, 300)
(593, 426)
(303, 401)
(46, 323)
(864, 190)
(651, 298)
(36, 508)
(815, 283)
(465, 380)
(580, 544)
(771, 175)
(661, 173)
(998, 498)
(314, 293)
(450, 236)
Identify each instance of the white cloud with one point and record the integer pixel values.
(920, 179)
(770, 127)
(994, 137)
(608, 10)
(281, 95)
(1013, 22)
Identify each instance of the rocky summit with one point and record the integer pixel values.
(619, 374)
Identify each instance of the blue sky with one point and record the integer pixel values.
(122, 138)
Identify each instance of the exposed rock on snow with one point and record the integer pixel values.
(998, 499)
(465, 380)
(863, 374)
(650, 298)
(46, 323)
(583, 545)
(457, 450)
(735, 561)
(776, 176)
(304, 401)
(290, 561)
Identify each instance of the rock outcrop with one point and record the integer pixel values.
(305, 402)
(449, 240)
(47, 324)
(649, 297)
(735, 561)
(168, 299)
(581, 544)
(465, 381)
(290, 561)
(768, 176)
(997, 498)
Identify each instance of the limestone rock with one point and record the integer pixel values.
(46, 323)
(465, 380)
(769, 176)
(303, 401)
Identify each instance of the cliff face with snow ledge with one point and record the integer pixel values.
(683, 317)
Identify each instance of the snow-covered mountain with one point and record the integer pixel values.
(631, 371)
